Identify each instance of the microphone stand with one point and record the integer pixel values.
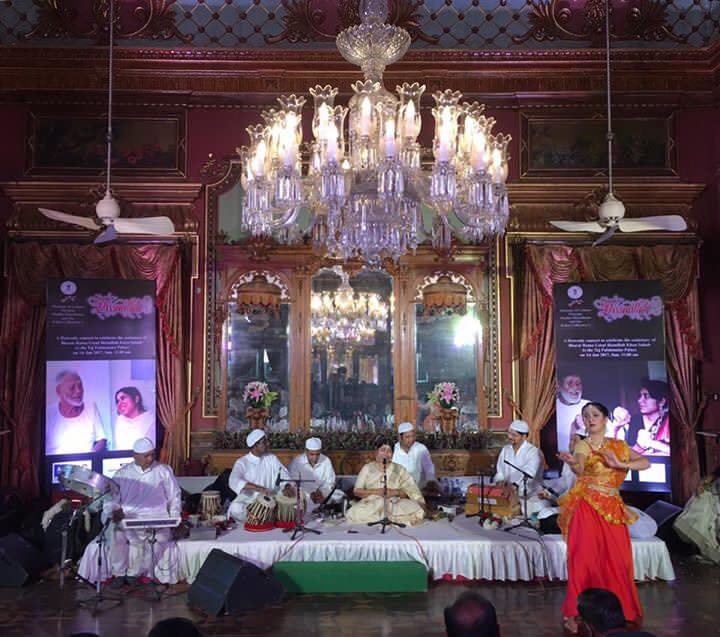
(386, 521)
(481, 513)
(321, 507)
(97, 599)
(299, 526)
(525, 522)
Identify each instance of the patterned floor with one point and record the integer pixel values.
(688, 606)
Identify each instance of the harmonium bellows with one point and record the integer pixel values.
(500, 501)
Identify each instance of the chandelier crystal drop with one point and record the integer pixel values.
(362, 176)
(346, 316)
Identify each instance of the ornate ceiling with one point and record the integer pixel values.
(312, 24)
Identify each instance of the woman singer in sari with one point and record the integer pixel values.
(405, 502)
(594, 519)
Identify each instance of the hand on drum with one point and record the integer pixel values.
(289, 491)
(317, 497)
(118, 515)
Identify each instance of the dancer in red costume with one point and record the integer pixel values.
(594, 519)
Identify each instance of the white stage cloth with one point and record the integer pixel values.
(457, 549)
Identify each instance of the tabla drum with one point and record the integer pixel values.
(260, 514)
(209, 504)
(285, 518)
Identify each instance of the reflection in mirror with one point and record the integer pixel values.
(352, 376)
(446, 350)
(256, 347)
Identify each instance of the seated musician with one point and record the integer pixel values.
(257, 472)
(148, 489)
(415, 458)
(525, 456)
(405, 502)
(316, 467)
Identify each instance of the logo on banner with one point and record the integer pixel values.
(612, 308)
(108, 305)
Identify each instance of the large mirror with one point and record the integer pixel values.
(256, 348)
(448, 349)
(351, 331)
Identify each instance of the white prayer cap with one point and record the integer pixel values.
(313, 444)
(255, 436)
(520, 426)
(404, 427)
(143, 445)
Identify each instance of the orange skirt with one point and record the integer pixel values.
(599, 555)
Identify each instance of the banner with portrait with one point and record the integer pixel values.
(100, 368)
(610, 343)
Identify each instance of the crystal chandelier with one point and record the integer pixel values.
(344, 316)
(365, 189)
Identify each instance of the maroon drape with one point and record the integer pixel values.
(676, 266)
(22, 340)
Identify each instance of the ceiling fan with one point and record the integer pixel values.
(611, 212)
(107, 210)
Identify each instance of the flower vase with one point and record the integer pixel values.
(448, 419)
(257, 417)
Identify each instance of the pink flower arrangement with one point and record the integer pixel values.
(257, 394)
(445, 394)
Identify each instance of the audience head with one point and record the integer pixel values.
(174, 627)
(600, 610)
(471, 616)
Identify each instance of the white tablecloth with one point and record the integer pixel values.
(457, 549)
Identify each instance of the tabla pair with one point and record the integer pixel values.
(267, 512)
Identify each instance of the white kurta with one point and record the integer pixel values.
(565, 416)
(142, 494)
(128, 430)
(417, 462)
(263, 471)
(73, 435)
(529, 459)
(322, 476)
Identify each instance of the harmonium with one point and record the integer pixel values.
(500, 501)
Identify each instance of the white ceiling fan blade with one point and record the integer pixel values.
(85, 222)
(609, 232)
(578, 226)
(673, 223)
(145, 225)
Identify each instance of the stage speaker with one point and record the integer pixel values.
(20, 561)
(228, 583)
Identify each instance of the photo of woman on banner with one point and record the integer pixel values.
(133, 420)
(653, 435)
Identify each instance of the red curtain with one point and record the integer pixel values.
(22, 341)
(677, 268)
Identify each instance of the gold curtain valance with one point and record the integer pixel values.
(444, 297)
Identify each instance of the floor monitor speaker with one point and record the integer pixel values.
(230, 584)
(20, 561)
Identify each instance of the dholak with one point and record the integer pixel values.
(260, 514)
(209, 504)
(286, 511)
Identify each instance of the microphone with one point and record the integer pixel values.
(277, 480)
(551, 491)
(384, 461)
